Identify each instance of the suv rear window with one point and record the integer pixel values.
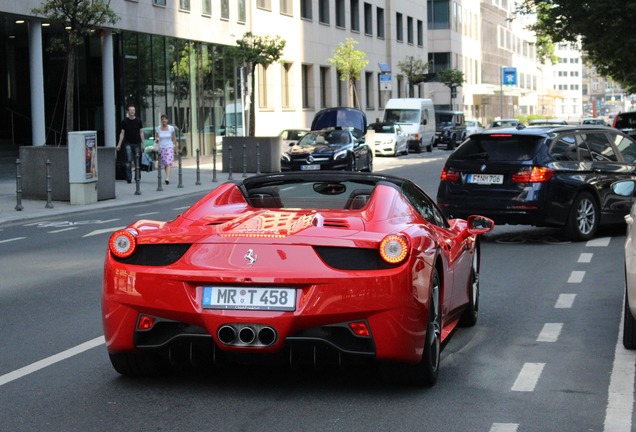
(499, 148)
(625, 120)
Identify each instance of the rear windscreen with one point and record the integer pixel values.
(626, 121)
(499, 148)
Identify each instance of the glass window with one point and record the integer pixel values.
(368, 78)
(438, 14)
(286, 7)
(305, 9)
(380, 22)
(184, 5)
(323, 11)
(355, 16)
(626, 147)
(325, 86)
(599, 147)
(409, 30)
(307, 86)
(206, 7)
(340, 14)
(159, 2)
(264, 4)
(502, 148)
(241, 11)
(424, 205)
(368, 19)
(439, 61)
(420, 33)
(286, 100)
(564, 149)
(225, 9)
(399, 27)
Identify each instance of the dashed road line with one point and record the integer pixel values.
(599, 242)
(528, 377)
(12, 239)
(550, 332)
(585, 257)
(146, 214)
(62, 230)
(504, 427)
(565, 301)
(576, 276)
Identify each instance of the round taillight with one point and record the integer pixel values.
(123, 243)
(394, 249)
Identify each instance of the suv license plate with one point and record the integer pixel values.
(310, 167)
(250, 298)
(485, 179)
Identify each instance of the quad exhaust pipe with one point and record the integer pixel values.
(247, 335)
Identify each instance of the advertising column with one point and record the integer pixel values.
(82, 166)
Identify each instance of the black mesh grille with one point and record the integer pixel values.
(155, 255)
(351, 258)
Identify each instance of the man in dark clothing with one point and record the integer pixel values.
(131, 136)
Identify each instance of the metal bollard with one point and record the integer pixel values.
(137, 171)
(229, 156)
(244, 160)
(49, 192)
(214, 164)
(180, 170)
(18, 185)
(159, 187)
(258, 158)
(198, 182)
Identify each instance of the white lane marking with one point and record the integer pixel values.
(12, 239)
(599, 242)
(181, 208)
(585, 257)
(528, 377)
(620, 395)
(102, 231)
(41, 364)
(565, 301)
(504, 427)
(550, 332)
(62, 230)
(576, 276)
(146, 214)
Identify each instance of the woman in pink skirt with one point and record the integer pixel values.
(167, 139)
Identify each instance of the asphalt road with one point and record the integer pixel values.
(542, 357)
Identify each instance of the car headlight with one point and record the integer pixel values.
(285, 157)
(389, 142)
(340, 154)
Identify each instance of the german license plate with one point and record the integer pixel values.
(485, 179)
(310, 167)
(250, 298)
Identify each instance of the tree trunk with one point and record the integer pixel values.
(70, 88)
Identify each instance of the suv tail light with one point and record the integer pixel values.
(449, 175)
(534, 175)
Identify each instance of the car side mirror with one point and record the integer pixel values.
(625, 188)
(479, 224)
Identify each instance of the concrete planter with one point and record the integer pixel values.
(244, 154)
(33, 168)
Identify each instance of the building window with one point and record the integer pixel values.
(264, 4)
(380, 22)
(286, 85)
(286, 7)
(368, 78)
(262, 86)
(241, 11)
(159, 2)
(399, 27)
(438, 14)
(439, 61)
(409, 30)
(305, 9)
(308, 85)
(206, 7)
(340, 14)
(342, 94)
(323, 11)
(400, 85)
(368, 19)
(355, 15)
(225, 9)
(325, 86)
(184, 5)
(420, 33)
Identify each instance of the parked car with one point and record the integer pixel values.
(328, 149)
(625, 122)
(290, 136)
(390, 139)
(627, 190)
(547, 122)
(450, 128)
(505, 123)
(307, 268)
(544, 176)
(473, 126)
(593, 121)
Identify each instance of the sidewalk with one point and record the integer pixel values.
(124, 192)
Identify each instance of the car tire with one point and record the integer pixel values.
(351, 165)
(429, 148)
(139, 364)
(451, 143)
(629, 326)
(369, 167)
(425, 372)
(583, 219)
(395, 150)
(469, 316)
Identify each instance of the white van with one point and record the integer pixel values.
(417, 118)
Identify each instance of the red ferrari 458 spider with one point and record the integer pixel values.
(318, 267)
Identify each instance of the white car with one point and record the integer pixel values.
(627, 189)
(390, 139)
(473, 127)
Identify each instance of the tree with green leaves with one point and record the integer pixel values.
(415, 70)
(79, 17)
(603, 27)
(451, 78)
(349, 62)
(253, 50)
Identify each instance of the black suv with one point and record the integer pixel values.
(544, 176)
(450, 128)
(626, 122)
